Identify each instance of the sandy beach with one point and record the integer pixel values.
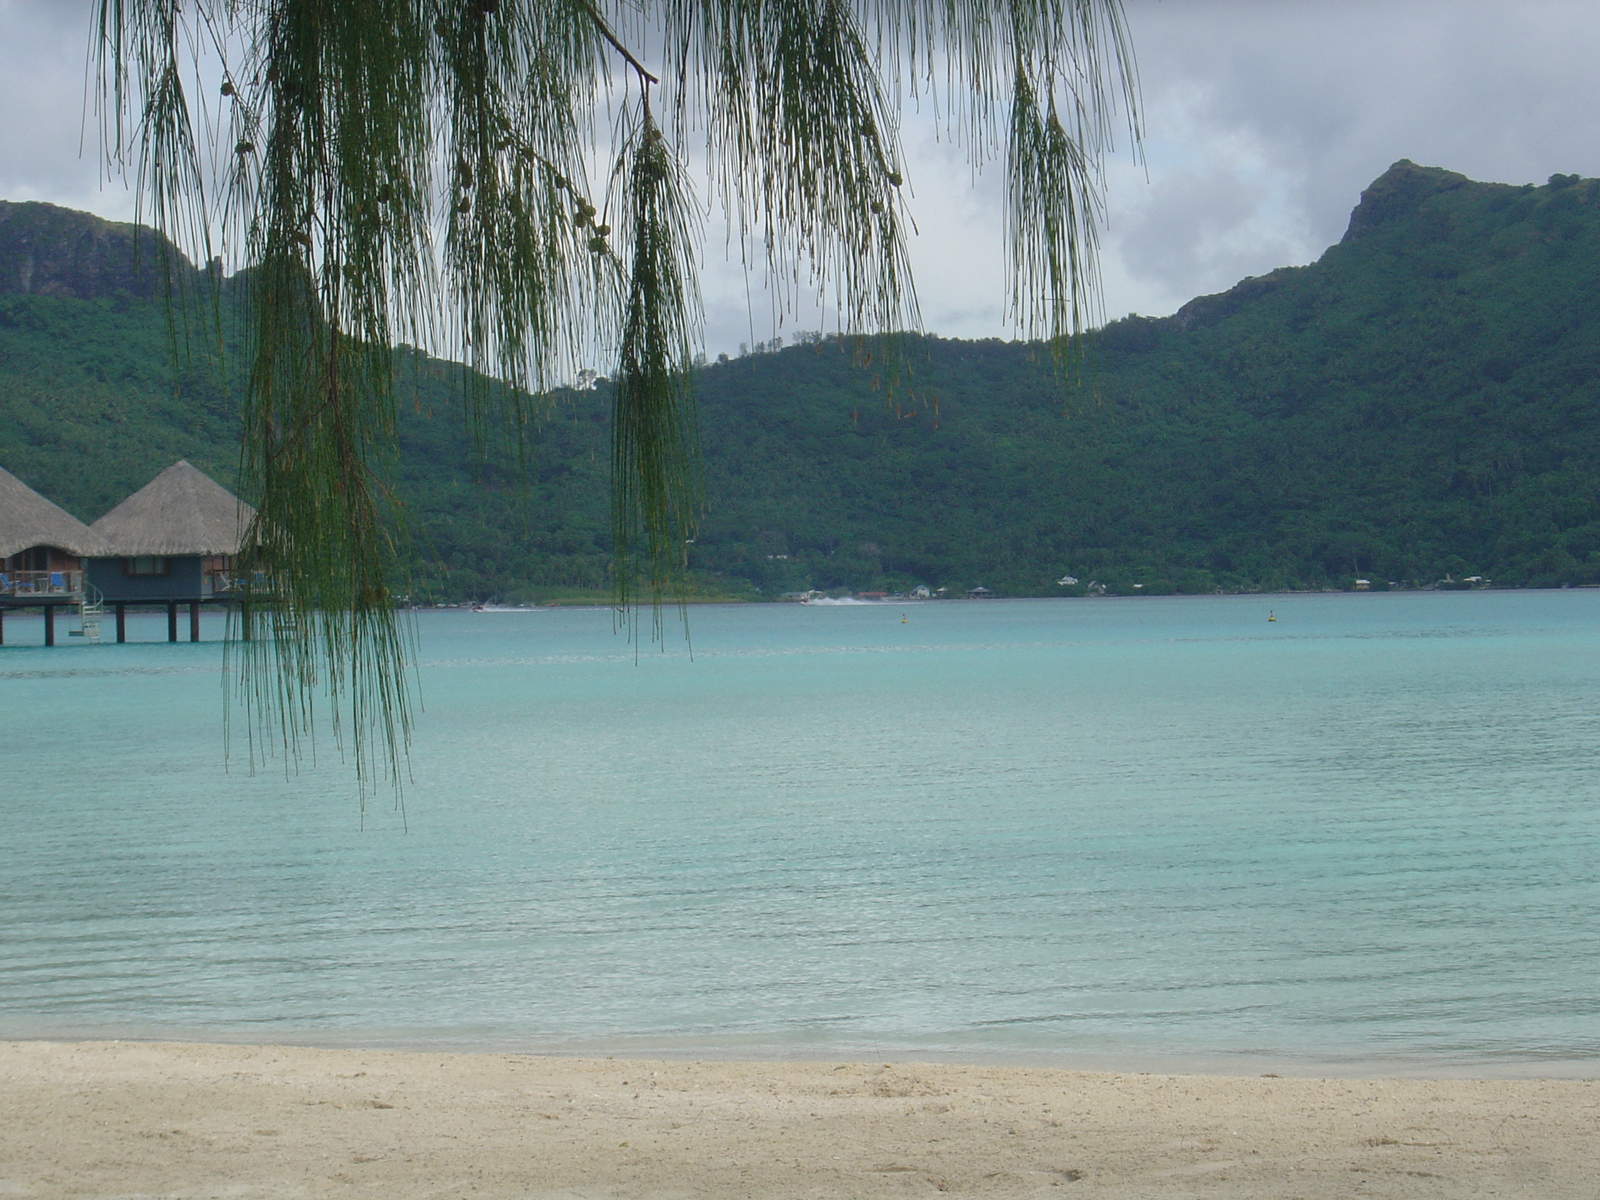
(121, 1119)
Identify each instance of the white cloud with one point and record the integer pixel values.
(49, 139)
(1264, 119)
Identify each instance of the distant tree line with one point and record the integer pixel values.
(1419, 404)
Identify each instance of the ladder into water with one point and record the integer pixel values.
(90, 609)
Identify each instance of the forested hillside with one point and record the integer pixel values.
(1420, 402)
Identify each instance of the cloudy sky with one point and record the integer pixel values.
(1264, 119)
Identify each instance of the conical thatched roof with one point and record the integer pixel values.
(180, 511)
(27, 519)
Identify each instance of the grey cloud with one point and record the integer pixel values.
(1325, 96)
(1196, 226)
(49, 140)
(1265, 120)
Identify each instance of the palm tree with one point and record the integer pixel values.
(509, 180)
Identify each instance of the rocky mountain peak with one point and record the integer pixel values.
(1398, 192)
(46, 250)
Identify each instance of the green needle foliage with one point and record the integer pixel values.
(418, 171)
(653, 458)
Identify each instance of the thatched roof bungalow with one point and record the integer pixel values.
(172, 540)
(41, 545)
(182, 511)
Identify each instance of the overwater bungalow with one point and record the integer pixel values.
(172, 542)
(42, 553)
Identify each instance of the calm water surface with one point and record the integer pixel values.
(1137, 832)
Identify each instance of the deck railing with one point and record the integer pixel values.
(219, 581)
(41, 583)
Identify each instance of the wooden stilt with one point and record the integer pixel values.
(49, 624)
(2, 627)
(122, 623)
(194, 620)
(172, 621)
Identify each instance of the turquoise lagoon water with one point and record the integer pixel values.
(1142, 833)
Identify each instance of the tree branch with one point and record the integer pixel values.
(605, 32)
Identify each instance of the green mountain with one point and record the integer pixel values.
(1418, 403)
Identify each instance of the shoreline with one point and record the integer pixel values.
(755, 1051)
(190, 1119)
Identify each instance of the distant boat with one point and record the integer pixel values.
(522, 608)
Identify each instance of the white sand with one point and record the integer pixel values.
(134, 1119)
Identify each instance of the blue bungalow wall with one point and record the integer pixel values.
(184, 580)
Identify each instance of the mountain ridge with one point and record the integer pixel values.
(47, 250)
(1419, 402)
